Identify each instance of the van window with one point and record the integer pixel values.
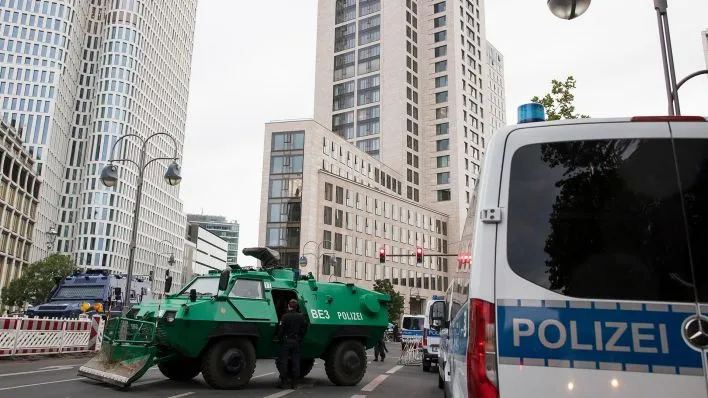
(413, 323)
(602, 218)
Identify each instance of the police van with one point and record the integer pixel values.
(412, 330)
(589, 262)
(434, 318)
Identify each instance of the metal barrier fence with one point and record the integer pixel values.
(22, 336)
(412, 354)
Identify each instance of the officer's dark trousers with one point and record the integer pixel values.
(289, 350)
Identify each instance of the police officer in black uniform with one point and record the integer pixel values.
(293, 327)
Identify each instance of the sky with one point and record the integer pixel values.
(254, 62)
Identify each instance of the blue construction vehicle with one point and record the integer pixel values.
(95, 291)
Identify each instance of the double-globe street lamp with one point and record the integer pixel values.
(571, 9)
(109, 178)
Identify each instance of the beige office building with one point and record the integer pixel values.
(338, 206)
(19, 197)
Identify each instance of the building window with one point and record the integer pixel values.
(444, 178)
(442, 145)
(443, 195)
(443, 161)
(288, 140)
(345, 10)
(344, 66)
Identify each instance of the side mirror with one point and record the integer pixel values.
(168, 284)
(224, 279)
(444, 333)
(193, 295)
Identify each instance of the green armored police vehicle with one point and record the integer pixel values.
(219, 324)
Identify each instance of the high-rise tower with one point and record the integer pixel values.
(76, 75)
(405, 81)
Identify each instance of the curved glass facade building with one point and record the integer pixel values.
(76, 75)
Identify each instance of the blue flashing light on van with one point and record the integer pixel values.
(532, 112)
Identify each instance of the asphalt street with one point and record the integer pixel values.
(57, 378)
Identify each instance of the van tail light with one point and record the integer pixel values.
(425, 337)
(482, 351)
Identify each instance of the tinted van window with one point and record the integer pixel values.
(413, 323)
(603, 218)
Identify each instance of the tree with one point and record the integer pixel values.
(559, 103)
(37, 281)
(395, 308)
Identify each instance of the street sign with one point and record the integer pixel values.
(302, 261)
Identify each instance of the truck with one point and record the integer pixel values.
(94, 291)
(220, 324)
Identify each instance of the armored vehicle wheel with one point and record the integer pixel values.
(346, 363)
(180, 369)
(306, 367)
(229, 364)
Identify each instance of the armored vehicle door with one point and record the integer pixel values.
(249, 299)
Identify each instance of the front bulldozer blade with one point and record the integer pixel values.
(126, 353)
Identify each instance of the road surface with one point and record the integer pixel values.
(57, 378)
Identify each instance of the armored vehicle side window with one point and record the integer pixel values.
(247, 288)
(602, 219)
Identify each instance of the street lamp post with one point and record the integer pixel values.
(317, 261)
(170, 261)
(570, 9)
(109, 177)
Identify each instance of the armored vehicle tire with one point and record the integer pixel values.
(346, 363)
(180, 369)
(306, 366)
(229, 364)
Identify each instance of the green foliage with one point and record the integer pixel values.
(37, 281)
(395, 308)
(559, 103)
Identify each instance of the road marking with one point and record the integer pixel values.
(263, 375)
(374, 383)
(181, 395)
(40, 384)
(41, 370)
(279, 394)
(394, 369)
(358, 396)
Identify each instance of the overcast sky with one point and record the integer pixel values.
(254, 62)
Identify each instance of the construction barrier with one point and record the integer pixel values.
(412, 354)
(42, 336)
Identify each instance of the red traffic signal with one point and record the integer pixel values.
(419, 255)
(464, 259)
(382, 255)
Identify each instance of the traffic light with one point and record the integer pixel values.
(419, 255)
(382, 255)
(464, 259)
